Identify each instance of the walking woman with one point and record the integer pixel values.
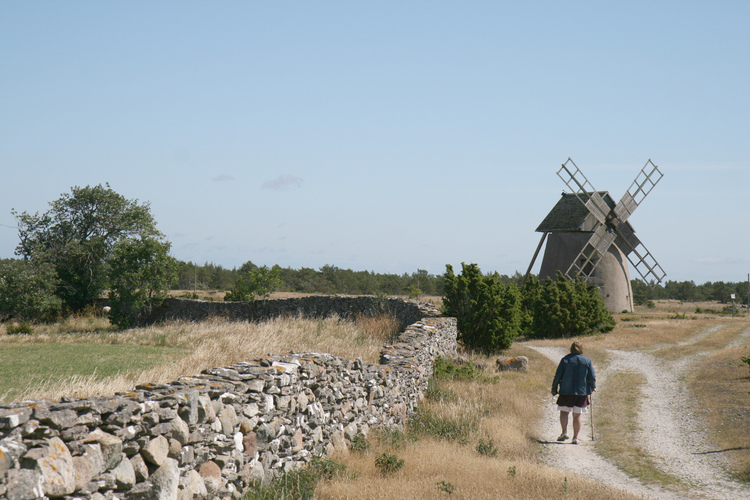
(574, 382)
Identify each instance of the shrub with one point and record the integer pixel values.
(388, 463)
(563, 308)
(254, 283)
(445, 369)
(24, 327)
(359, 444)
(488, 313)
(446, 487)
(487, 449)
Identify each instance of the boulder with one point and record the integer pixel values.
(517, 363)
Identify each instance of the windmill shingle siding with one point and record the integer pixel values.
(568, 214)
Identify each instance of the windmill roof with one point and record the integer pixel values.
(569, 214)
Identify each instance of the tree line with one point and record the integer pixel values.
(328, 279)
(688, 291)
(94, 243)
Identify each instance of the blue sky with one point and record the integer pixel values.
(384, 136)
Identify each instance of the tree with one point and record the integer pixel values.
(27, 290)
(257, 282)
(488, 313)
(642, 293)
(565, 308)
(77, 235)
(141, 274)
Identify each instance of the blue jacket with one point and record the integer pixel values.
(575, 376)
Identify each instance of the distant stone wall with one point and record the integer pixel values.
(212, 434)
(315, 306)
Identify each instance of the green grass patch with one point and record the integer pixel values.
(25, 365)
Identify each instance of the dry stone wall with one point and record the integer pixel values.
(211, 435)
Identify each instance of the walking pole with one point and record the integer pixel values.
(592, 415)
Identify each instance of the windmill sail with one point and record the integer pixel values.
(586, 261)
(584, 190)
(613, 226)
(642, 185)
(638, 255)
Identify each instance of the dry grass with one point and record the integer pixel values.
(504, 413)
(721, 382)
(431, 467)
(210, 344)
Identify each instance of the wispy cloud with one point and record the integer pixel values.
(711, 260)
(283, 182)
(222, 178)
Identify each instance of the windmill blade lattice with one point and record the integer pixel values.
(585, 263)
(584, 190)
(643, 262)
(642, 185)
(612, 224)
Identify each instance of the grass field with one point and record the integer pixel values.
(32, 367)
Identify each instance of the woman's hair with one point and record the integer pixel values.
(576, 348)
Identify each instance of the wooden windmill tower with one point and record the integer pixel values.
(590, 237)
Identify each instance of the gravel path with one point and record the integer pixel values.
(671, 434)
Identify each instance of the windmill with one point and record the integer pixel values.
(590, 236)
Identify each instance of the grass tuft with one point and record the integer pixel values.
(298, 484)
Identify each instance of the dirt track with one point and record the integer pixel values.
(670, 433)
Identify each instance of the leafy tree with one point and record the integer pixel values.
(142, 272)
(77, 236)
(257, 282)
(565, 308)
(488, 313)
(27, 290)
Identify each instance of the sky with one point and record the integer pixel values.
(386, 136)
